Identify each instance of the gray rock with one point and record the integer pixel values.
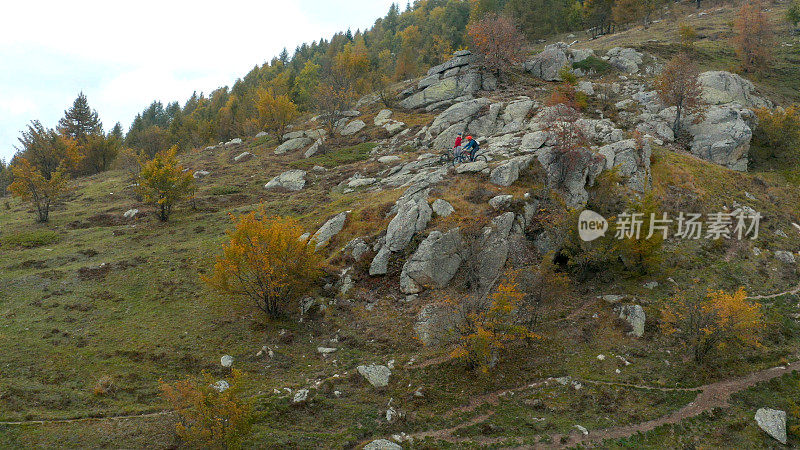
(330, 229)
(508, 172)
(221, 386)
(380, 263)
(382, 117)
(723, 136)
(579, 54)
(200, 174)
(625, 59)
(378, 376)
(442, 208)
(634, 315)
(632, 162)
(719, 87)
(785, 257)
(455, 114)
(236, 141)
(435, 324)
(352, 127)
(436, 260)
(293, 180)
(242, 157)
(293, 144)
(315, 148)
(773, 422)
(393, 127)
(261, 134)
(472, 167)
(356, 247)
(571, 172)
(500, 201)
(130, 214)
(226, 361)
(382, 444)
(586, 87)
(357, 182)
(388, 159)
(534, 141)
(300, 396)
(547, 64)
(412, 217)
(293, 135)
(326, 350)
(612, 298)
(491, 250)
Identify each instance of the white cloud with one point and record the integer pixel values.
(124, 55)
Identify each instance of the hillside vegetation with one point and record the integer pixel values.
(495, 324)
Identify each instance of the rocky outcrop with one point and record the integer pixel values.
(435, 324)
(508, 172)
(382, 444)
(723, 136)
(491, 250)
(719, 88)
(378, 376)
(479, 117)
(434, 263)
(632, 160)
(292, 180)
(442, 208)
(547, 64)
(330, 229)
(625, 59)
(571, 172)
(773, 422)
(293, 144)
(352, 127)
(636, 318)
(412, 217)
(456, 78)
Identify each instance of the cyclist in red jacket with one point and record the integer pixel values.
(457, 146)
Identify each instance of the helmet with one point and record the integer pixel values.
(469, 138)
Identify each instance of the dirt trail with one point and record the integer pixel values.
(794, 291)
(710, 396)
(88, 419)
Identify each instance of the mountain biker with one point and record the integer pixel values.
(472, 147)
(457, 146)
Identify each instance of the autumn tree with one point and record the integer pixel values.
(776, 137)
(719, 321)
(5, 177)
(544, 285)
(211, 412)
(267, 262)
(754, 37)
(492, 329)
(99, 152)
(47, 150)
(163, 182)
(678, 86)
(80, 121)
(276, 111)
(31, 184)
(496, 38)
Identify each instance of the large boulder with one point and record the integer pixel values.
(435, 324)
(631, 160)
(508, 172)
(330, 229)
(571, 172)
(382, 444)
(773, 422)
(625, 59)
(720, 87)
(378, 376)
(412, 217)
(491, 251)
(636, 318)
(446, 82)
(435, 262)
(723, 136)
(293, 144)
(457, 113)
(292, 180)
(380, 263)
(547, 64)
(352, 127)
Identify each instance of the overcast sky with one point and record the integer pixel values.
(124, 55)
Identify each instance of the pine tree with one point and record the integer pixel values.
(80, 121)
(117, 132)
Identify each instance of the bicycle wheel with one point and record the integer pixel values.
(481, 158)
(445, 158)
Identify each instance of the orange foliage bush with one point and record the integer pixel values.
(497, 39)
(267, 262)
(209, 416)
(718, 321)
(754, 37)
